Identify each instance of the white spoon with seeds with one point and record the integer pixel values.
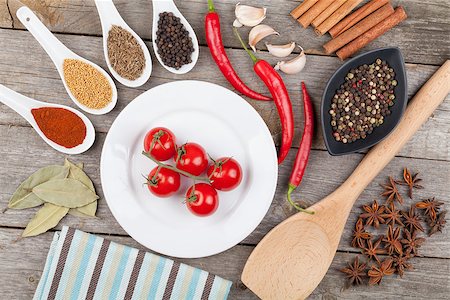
(109, 16)
(24, 105)
(160, 6)
(58, 52)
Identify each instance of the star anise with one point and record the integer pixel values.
(412, 221)
(401, 264)
(412, 181)
(392, 215)
(373, 214)
(391, 191)
(411, 242)
(376, 273)
(392, 241)
(372, 250)
(355, 272)
(360, 235)
(438, 224)
(431, 207)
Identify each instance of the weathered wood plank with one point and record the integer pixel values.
(23, 152)
(34, 75)
(22, 262)
(426, 22)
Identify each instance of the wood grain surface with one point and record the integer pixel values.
(25, 67)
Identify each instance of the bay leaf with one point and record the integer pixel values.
(46, 218)
(23, 197)
(80, 165)
(77, 173)
(84, 211)
(65, 192)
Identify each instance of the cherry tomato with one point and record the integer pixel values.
(202, 199)
(225, 174)
(165, 183)
(160, 142)
(191, 158)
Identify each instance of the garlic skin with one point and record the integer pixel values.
(249, 15)
(281, 50)
(237, 24)
(258, 33)
(293, 66)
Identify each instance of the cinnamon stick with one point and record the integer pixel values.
(360, 28)
(356, 16)
(313, 12)
(398, 16)
(327, 12)
(302, 8)
(338, 15)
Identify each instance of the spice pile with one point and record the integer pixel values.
(401, 240)
(353, 32)
(363, 101)
(61, 190)
(87, 84)
(175, 46)
(60, 125)
(125, 54)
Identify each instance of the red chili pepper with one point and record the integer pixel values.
(214, 41)
(280, 96)
(301, 160)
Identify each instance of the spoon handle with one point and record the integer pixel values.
(19, 103)
(54, 48)
(417, 113)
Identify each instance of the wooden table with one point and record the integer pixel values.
(26, 68)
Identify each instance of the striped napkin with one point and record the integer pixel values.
(84, 266)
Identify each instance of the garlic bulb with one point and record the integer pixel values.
(293, 66)
(258, 33)
(281, 50)
(249, 15)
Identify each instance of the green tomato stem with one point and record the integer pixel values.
(160, 164)
(291, 189)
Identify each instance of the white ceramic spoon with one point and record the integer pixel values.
(160, 6)
(109, 16)
(23, 106)
(58, 52)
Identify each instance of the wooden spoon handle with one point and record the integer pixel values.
(418, 111)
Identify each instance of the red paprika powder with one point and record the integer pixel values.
(60, 125)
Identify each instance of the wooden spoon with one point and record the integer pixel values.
(292, 258)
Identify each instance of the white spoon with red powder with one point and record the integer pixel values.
(65, 129)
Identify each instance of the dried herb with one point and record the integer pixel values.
(412, 221)
(46, 218)
(412, 181)
(401, 264)
(360, 235)
(438, 224)
(392, 241)
(65, 192)
(392, 215)
(373, 214)
(391, 191)
(431, 207)
(411, 242)
(376, 273)
(372, 250)
(355, 272)
(23, 197)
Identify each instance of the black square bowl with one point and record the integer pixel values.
(394, 58)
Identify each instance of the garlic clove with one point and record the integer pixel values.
(280, 50)
(249, 15)
(292, 66)
(258, 33)
(237, 24)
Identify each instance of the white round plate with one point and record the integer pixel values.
(225, 125)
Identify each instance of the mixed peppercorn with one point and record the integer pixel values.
(390, 253)
(363, 101)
